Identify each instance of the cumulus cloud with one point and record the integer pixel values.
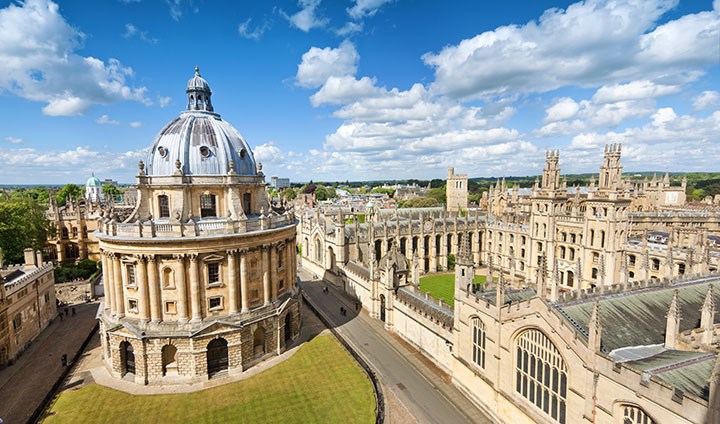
(307, 18)
(105, 120)
(634, 90)
(164, 101)
(562, 109)
(590, 43)
(364, 8)
(136, 124)
(706, 100)
(247, 31)
(14, 140)
(318, 65)
(40, 63)
(339, 90)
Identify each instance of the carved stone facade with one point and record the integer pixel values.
(201, 278)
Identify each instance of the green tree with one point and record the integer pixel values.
(289, 193)
(419, 202)
(22, 225)
(438, 194)
(71, 190)
(451, 262)
(39, 194)
(111, 192)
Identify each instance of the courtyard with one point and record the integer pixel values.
(442, 286)
(319, 383)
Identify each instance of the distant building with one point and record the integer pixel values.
(27, 304)
(93, 189)
(457, 191)
(279, 183)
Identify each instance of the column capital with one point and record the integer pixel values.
(151, 258)
(193, 257)
(179, 257)
(140, 257)
(232, 252)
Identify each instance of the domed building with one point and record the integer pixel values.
(200, 278)
(93, 189)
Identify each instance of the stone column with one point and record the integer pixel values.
(245, 300)
(107, 282)
(195, 289)
(232, 282)
(273, 271)
(118, 283)
(142, 289)
(266, 274)
(181, 286)
(154, 290)
(289, 258)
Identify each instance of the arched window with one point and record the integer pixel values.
(163, 206)
(632, 414)
(655, 264)
(478, 348)
(540, 373)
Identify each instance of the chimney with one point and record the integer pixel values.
(29, 258)
(38, 258)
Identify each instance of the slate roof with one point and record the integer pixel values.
(687, 371)
(638, 318)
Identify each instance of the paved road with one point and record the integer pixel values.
(423, 392)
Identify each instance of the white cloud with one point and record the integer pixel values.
(105, 120)
(164, 101)
(635, 90)
(707, 100)
(136, 124)
(245, 30)
(318, 65)
(349, 28)
(590, 43)
(339, 90)
(307, 18)
(14, 140)
(133, 31)
(563, 109)
(363, 8)
(40, 63)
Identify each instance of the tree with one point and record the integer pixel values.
(39, 194)
(71, 190)
(289, 193)
(438, 194)
(419, 202)
(22, 225)
(111, 192)
(451, 262)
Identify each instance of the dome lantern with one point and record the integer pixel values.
(199, 93)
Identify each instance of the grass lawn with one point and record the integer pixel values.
(442, 286)
(321, 383)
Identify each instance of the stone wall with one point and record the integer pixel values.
(74, 291)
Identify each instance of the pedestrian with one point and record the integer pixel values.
(357, 305)
(73, 312)
(341, 310)
(66, 311)
(63, 360)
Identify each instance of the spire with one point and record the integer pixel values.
(672, 326)
(595, 328)
(500, 291)
(708, 316)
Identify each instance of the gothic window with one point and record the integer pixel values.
(541, 374)
(17, 321)
(594, 273)
(655, 264)
(631, 414)
(65, 233)
(163, 206)
(74, 232)
(562, 252)
(564, 236)
(207, 205)
(596, 257)
(681, 269)
(602, 238)
(592, 237)
(522, 252)
(572, 238)
(478, 348)
(571, 251)
(213, 269)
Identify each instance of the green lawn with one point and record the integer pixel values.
(442, 286)
(321, 383)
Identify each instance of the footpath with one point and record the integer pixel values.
(24, 385)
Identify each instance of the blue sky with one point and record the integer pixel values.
(363, 89)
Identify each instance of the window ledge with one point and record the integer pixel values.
(215, 285)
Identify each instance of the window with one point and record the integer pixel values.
(132, 305)
(130, 274)
(255, 294)
(281, 284)
(163, 206)
(522, 252)
(596, 257)
(65, 233)
(655, 264)
(602, 238)
(17, 321)
(592, 237)
(572, 254)
(594, 273)
(562, 252)
(170, 307)
(478, 348)
(204, 151)
(280, 258)
(74, 232)
(681, 269)
(631, 259)
(168, 278)
(631, 414)
(213, 273)
(215, 303)
(247, 203)
(207, 205)
(540, 373)
(572, 238)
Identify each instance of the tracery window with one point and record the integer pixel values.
(631, 414)
(478, 350)
(540, 373)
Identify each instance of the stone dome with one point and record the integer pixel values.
(200, 141)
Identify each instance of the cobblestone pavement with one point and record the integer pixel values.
(24, 385)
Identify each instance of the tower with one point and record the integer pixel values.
(456, 191)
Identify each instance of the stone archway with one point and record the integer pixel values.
(217, 356)
(127, 356)
(169, 361)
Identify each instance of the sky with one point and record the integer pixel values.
(363, 89)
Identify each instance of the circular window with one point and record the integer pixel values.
(242, 154)
(204, 151)
(162, 151)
